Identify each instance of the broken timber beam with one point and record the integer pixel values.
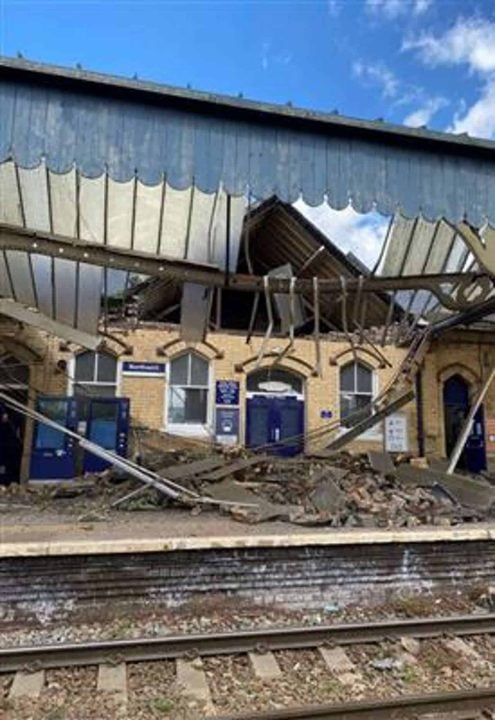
(369, 422)
(22, 313)
(71, 248)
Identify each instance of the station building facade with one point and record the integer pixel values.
(285, 391)
(216, 391)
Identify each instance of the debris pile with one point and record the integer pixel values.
(342, 490)
(347, 491)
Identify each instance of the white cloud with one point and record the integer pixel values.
(470, 41)
(423, 115)
(363, 235)
(268, 57)
(479, 119)
(392, 9)
(377, 74)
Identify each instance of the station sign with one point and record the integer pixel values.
(143, 369)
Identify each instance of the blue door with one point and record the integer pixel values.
(275, 423)
(107, 426)
(456, 407)
(53, 456)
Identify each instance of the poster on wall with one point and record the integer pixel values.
(227, 392)
(227, 425)
(396, 439)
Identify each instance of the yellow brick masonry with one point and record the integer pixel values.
(147, 395)
(232, 358)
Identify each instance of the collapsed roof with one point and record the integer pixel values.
(279, 241)
(104, 172)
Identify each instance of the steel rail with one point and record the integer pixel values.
(288, 638)
(407, 706)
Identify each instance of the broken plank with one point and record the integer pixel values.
(186, 470)
(234, 467)
(233, 492)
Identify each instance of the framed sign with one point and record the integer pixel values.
(227, 392)
(396, 437)
(227, 425)
(143, 369)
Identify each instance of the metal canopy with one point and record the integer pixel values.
(129, 129)
(152, 222)
(428, 249)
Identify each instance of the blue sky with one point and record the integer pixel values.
(418, 62)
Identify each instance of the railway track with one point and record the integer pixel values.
(285, 638)
(330, 643)
(474, 705)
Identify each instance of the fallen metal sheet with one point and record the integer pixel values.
(234, 467)
(283, 302)
(381, 462)
(194, 312)
(464, 490)
(468, 492)
(415, 476)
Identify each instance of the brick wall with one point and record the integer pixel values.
(232, 358)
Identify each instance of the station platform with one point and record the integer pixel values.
(173, 530)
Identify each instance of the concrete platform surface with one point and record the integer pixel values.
(178, 530)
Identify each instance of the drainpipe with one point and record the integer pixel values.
(419, 414)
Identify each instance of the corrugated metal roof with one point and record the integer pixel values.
(187, 224)
(419, 247)
(99, 124)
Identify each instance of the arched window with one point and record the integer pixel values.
(188, 390)
(95, 374)
(356, 392)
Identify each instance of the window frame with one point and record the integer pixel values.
(374, 433)
(189, 429)
(73, 382)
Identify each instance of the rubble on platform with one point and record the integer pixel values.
(344, 490)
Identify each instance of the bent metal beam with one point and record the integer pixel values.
(43, 243)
